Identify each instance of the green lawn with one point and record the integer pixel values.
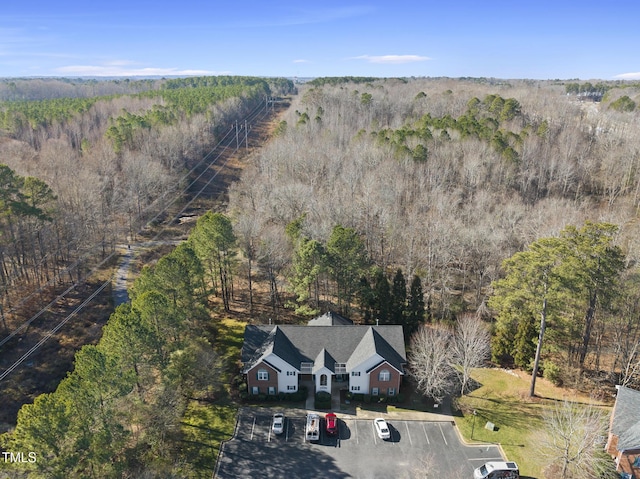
(206, 425)
(503, 400)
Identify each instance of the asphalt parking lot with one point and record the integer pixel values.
(356, 452)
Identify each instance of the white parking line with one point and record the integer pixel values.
(408, 433)
(269, 434)
(253, 427)
(356, 423)
(442, 432)
(286, 433)
(374, 433)
(425, 434)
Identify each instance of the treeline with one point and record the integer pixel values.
(32, 89)
(18, 115)
(107, 162)
(340, 80)
(442, 179)
(183, 97)
(119, 412)
(601, 88)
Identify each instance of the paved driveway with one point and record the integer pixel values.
(356, 452)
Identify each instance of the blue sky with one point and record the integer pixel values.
(492, 38)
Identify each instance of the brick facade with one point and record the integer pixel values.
(262, 385)
(383, 386)
(625, 460)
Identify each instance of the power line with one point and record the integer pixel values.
(11, 368)
(87, 255)
(253, 115)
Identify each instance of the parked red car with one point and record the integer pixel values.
(331, 422)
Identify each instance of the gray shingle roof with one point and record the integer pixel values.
(324, 360)
(259, 342)
(330, 319)
(343, 344)
(626, 418)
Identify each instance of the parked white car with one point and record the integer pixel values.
(278, 423)
(382, 428)
(497, 470)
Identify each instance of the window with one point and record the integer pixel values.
(272, 390)
(375, 391)
(291, 373)
(323, 380)
(384, 375)
(291, 388)
(391, 392)
(355, 388)
(355, 373)
(255, 390)
(263, 375)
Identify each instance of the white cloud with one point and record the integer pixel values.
(126, 68)
(392, 59)
(301, 61)
(628, 76)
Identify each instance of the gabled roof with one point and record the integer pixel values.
(625, 421)
(324, 360)
(273, 341)
(328, 345)
(373, 343)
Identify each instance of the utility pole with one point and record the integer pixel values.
(237, 140)
(246, 136)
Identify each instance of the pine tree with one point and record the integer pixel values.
(398, 298)
(382, 298)
(366, 295)
(415, 313)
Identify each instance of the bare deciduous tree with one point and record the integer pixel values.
(471, 347)
(573, 442)
(430, 361)
(631, 367)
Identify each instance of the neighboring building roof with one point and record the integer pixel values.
(328, 345)
(625, 422)
(330, 319)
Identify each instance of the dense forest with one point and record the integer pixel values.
(442, 180)
(391, 200)
(87, 164)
